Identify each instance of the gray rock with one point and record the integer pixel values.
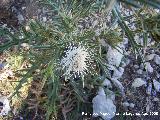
(136, 66)
(158, 75)
(110, 94)
(44, 19)
(20, 18)
(102, 105)
(114, 56)
(6, 107)
(156, 99)
(107, 83)
(138, 82)
(131, 105)
(119, 86)
(118, 73)
(140, 71)
(157, 59)
(149, 57)
(148, 67)
(149, 89)
(125, 63)
(156, 85)
(125, 104)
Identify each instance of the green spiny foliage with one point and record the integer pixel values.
(47, 43)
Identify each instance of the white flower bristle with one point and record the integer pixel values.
(76, 59)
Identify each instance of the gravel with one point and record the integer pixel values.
(157, 59)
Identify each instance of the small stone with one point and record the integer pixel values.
(152, 51)
(156, 99)
(4, 26)
(149, 89)
(157, 59)
(140, 71)
(25, 46)
(148, 67)
(154, 92)
(149, 57)
(158, 75)
(110, 94)
(39, 10)
(136, 66)
(125, 104)
(23, 8)
(97, 32)
(138, 82)
(6, 107)
(125, 41)
(125, 63)
(44, 19)
(1, 66)
(114, 56)
(118, 73)
(95, 23)
(131, 105)
(102, 104)
(20, 18)
(107, 83)
(156, 85)
(119, 85)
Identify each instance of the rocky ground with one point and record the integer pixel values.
(141, 85)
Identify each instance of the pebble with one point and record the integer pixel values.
(1, 66)
(114, 56)
(20, 18)
(140, 71)
(125, 63)
(125, 41)
(95, 23)
(147, 66)
(4, 26)
(156, 85)
(39, 10)
(157, 59)
(136, 66)
(149, 89)
(118, 73)
(44, 19)
(138, 82)
(131, 105)
(23, 8)
(156, 99)
(107, 83)
(158, 75)
(125, 104)
(149, 57)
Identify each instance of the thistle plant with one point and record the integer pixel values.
(60, 52)
(77, 61)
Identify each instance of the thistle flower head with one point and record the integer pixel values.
(76, 61)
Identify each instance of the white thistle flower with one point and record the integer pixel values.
(76, 60)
